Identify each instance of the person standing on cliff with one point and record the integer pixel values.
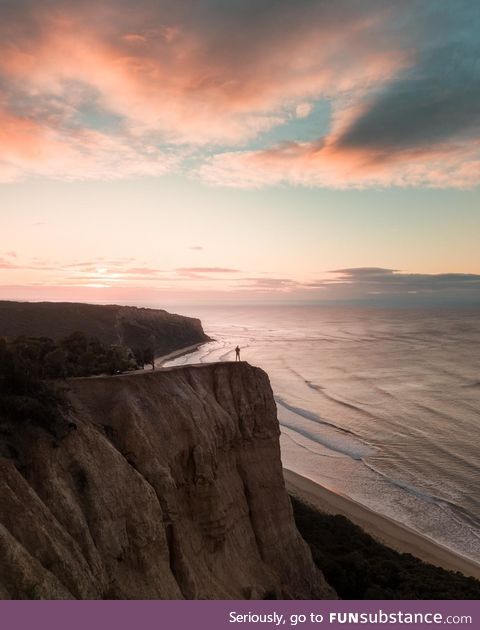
(237, 353)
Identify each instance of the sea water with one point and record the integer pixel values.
(380, 405)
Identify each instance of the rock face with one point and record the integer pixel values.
(112, 324)
(164, 485)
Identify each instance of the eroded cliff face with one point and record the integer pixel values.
(168, 485)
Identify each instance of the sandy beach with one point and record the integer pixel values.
(161, 360)
(385, 530)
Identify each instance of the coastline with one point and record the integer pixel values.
(159, 363)
(161, 360)
(382, 528)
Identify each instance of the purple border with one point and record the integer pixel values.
(215, 615)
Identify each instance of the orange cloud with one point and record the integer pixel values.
(168, 78)
(96, 90)
(28, 147)
(327, 165)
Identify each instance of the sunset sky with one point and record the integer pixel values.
(170, 151)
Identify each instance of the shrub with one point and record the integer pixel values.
(358, 567)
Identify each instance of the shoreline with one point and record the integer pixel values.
(178, 353)
(159, 363)
(385, 530)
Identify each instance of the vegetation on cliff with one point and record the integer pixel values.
(75, 355)
(24, 394)
(111, 325)
(359, 567)
(29, 367)
(45, 342)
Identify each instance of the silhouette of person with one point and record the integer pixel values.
(237, 354)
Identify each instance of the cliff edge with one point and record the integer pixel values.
(159, 485)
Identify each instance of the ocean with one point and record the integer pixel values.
(379, 405)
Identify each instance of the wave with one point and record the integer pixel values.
(339, 401)
(320, 389)
(346, 442)
(437, 413)
(339, 440)
(302, 445)
(460, 514)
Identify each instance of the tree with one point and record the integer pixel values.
(139, 357)
(75, 344)
(117, 359)
(149, 357)
(55, 364)
(87, 363)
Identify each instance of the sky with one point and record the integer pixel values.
(240, 151)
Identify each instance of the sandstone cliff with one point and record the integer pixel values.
(164, 485)
(111, 324)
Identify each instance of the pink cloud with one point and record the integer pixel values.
(207, 270)
(166, 76)
(6, 264)
(328, 165)
(29, 147)
(96, 90)
(142, 271)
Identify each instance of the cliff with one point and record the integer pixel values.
(111, 324)
(159, 485)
